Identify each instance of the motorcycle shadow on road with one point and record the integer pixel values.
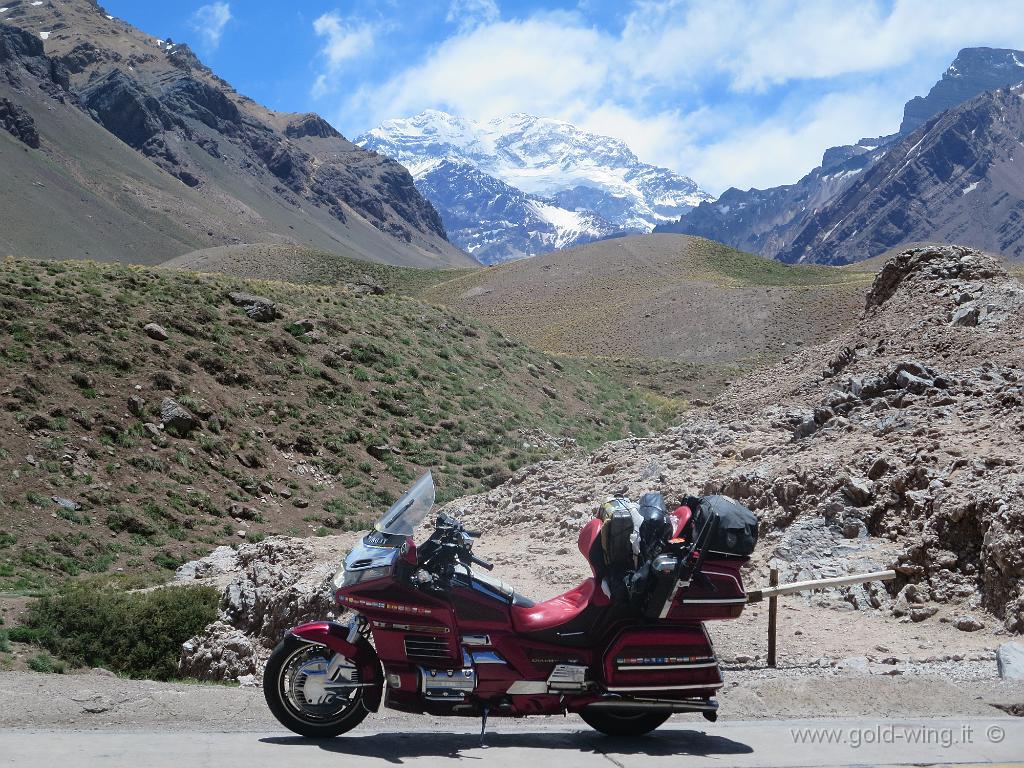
(399, 746)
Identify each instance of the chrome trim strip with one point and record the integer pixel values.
(664, 687)
(680, 584)
(729, 600)
(656, 667)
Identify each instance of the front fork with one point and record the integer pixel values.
(349, 641)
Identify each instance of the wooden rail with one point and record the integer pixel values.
(774, 591)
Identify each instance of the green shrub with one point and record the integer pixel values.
(134, 633)
(44, 662)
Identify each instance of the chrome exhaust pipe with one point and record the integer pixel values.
(656, 705)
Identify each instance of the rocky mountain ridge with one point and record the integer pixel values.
(280, 177)
(521, 185)
(785, 222)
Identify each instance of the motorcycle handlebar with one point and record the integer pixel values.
(472, 534)
(482, 563)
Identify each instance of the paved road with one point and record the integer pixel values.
(826, 743)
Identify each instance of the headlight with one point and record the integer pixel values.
(350, 578)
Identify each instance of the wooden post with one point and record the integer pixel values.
(773, 611)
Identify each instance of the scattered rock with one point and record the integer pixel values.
(966, 316)
(177, 417)
(367, 286)
(967, 624)
(243, 512)
(260, 309)
(855, 665)
(858, 491)
(923, 612)
(155, 332)
(379, 452)
(136, 406)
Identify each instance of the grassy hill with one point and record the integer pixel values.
(299, 264)
(693, 311)
(310, 422)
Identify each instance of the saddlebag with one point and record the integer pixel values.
(667, 663)
(734, 535)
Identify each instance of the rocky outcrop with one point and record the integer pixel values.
(310, 124)
(275, 585)
(17, 122)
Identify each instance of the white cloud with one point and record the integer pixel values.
(696, 85)
(344, 42)
(759, 44)
(209, 22)
(470, 14)
(782, 147)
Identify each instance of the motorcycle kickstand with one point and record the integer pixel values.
(483, 725)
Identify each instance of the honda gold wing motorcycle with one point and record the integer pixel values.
(432, 632)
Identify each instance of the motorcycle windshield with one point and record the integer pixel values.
(409, 511)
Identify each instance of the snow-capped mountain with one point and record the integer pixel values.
(521, 185)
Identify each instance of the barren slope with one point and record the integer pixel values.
(659, 297)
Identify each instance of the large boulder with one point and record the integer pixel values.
(1010, 661)
(278, 584)
(260, 309)
(178, 418)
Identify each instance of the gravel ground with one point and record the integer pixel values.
(101, 700)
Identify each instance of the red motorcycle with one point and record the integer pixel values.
(448, 639)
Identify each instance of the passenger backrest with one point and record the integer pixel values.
(590, 546)
(682, 516)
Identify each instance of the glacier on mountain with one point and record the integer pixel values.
(520, 185)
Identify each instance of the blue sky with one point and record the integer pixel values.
(733, 93)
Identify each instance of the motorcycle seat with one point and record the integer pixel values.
(558, 612)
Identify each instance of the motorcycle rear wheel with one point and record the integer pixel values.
(624, 724)
(281, 679)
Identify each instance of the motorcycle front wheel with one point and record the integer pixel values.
(313, 691)
(624, 724)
